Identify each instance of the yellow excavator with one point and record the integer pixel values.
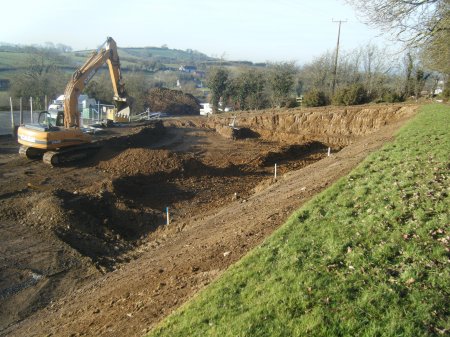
(60, 139)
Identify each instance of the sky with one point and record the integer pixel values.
(251, 30)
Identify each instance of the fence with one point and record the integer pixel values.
(18, 115)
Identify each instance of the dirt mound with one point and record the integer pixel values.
(46, 211)
(174, 102)
(142, 161)
(225, 131)
(97, 226)
(156, 164)
(235, 133)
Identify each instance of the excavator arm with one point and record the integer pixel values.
(107, 54)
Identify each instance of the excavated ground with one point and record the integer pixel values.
(85, 249)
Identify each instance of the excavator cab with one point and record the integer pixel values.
(51, 119)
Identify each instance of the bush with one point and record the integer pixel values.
(392, 97)
(314, 98)
(446, 93)
(351, 95)
(290, 103)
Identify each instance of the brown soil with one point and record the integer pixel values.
(85, 250)
(174, 102)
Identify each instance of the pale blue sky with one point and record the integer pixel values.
(254, 30)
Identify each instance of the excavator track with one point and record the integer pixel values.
(30, 152)
(71, 154)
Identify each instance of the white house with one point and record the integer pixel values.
(206, 109)
(84, 101)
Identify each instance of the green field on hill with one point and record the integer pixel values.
(131, 58)
(367, 257)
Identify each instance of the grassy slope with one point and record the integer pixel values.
(12, 60)
(131, 57)
(163, 53)
(367, 257)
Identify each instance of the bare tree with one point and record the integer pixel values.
(136, 86)
(318, 73)
(280, 82)
(423, 24)
(41, 76)
(376, 66)
(368, 66)
(436, 53)
(412, 21)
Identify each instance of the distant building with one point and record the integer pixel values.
(187, 69)
(84, 102)
(206, 109)
(198, 73)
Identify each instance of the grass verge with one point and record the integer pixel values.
(367, 257)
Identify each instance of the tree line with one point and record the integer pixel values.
(367, 74)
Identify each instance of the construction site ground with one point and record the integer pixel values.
(85, 249)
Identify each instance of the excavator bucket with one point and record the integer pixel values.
(124, 113)
(122, 116)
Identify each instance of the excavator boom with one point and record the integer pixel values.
(80, 78)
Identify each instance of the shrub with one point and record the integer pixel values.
(351, 95)
(446, 93)
(290, 103)
(392, 97)
(315, 98)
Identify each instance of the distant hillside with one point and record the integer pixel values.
(170, 55)
(13, 58)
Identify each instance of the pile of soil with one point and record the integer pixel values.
(142, 161)
(173, 102)
(155, 164)
(99, 226)
(235, 133)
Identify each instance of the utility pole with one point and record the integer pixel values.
(336, 56)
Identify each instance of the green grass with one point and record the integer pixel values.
(166, 53)
(367, 257)
(13, 60)
(4, 101)
(131, 57)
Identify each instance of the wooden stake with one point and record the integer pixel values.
(31, 109)
(21, 112)
(13, 125)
